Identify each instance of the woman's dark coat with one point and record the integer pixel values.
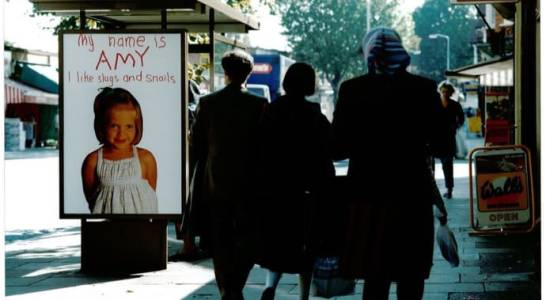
(297, 169)
(383, 124)
(449, 119)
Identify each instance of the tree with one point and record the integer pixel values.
(456, 21)
(328, 33)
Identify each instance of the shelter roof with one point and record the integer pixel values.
(193, 15)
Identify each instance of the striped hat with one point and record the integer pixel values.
(384, 51)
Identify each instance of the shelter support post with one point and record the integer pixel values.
(211, 28)
(163, 19)
(82, 19)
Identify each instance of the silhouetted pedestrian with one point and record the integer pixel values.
(297, 168)
(390, 235)
(225, 139)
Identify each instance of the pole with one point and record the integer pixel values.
(446, 37)
(448, 52)
(163, 19)
(82, 20)
(211, 29)
(475, 54)
(368, 9)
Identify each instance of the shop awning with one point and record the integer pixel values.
(16, 92)
(483, 68)
(42, 77)
(193, 15)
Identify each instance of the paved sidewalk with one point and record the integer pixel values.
(44, 264)
(32, 153)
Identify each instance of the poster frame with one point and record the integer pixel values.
(184, 126)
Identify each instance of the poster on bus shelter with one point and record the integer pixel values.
(502, 187)
(122, 124)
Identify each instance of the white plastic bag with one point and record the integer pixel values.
(447, 245)
(461, 148)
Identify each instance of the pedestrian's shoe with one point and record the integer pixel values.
(448, 194)
(268, 294)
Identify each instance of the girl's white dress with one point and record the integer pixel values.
(122, 190)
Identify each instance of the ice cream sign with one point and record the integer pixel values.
(502, 191)
(502, 188)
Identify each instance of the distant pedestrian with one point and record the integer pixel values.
(297, 168)
(57, 133)
(225, 138)
(29, 125)
(449, 117)
(390, 233)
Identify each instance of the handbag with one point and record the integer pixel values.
(447, 245)
(326, 281)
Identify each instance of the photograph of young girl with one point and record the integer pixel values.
(119, 177)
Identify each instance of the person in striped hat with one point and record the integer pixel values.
(390, 232)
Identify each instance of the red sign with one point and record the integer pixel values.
(262, 68)
(502, 191)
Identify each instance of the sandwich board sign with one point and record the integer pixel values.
(502, 187)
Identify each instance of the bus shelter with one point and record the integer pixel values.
(140, 46)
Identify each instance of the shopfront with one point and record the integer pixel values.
(31, 99)
(515, 73)
(508, 85)
(31, 114)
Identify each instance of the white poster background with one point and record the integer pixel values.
(154, 77)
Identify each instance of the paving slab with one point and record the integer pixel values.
(517, 295)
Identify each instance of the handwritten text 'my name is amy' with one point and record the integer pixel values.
(136, 49)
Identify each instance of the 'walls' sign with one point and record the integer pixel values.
(502, 188)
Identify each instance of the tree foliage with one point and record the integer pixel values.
(73, 23)
(328, 33)
(248, 6)
(456, 21)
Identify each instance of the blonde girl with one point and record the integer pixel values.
(118, 177)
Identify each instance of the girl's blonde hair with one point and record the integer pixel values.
(108, 98)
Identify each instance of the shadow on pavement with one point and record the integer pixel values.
(32, 153)
(41, 260)
(18, 235)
